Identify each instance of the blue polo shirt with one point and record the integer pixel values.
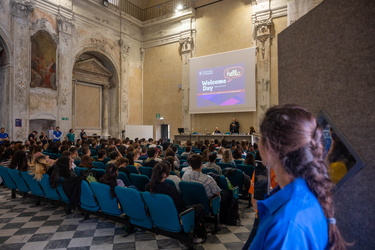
(57, 135)
(292, 218)
(3, 136)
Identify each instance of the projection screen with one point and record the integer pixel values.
(223, 82)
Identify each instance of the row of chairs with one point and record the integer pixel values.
(153, 212)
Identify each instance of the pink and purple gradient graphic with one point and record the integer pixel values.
(221, 86)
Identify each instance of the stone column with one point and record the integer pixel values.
(105, 121)
(123, 85)
(263, 78)
(186, 51)
(20, 90)
(64, 73)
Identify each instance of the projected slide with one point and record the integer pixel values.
(223, 82)
(222, 86)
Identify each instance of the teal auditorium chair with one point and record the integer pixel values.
(107, 203)
(195, 193)
(33, 184)
(139, 180)
(98, 164)
(133, 206)
(132, 169)
(78, 170)
(8, 181)
(170, 182)
(238, 162)
(88, 201)
(247, 169)
(208, 170)
(20, 182)
(122, 176)
(145, 171)
(50, 192)
(235, 177)
(165, 216)
(224, 165)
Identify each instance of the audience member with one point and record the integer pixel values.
(196, 175)
(212, 163)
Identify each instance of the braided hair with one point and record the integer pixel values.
(292, 133)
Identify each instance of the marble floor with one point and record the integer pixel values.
(25, 226)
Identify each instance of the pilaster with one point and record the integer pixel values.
(20, 11)
(187, 36)
(66, 30)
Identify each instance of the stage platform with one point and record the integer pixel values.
(178, 139)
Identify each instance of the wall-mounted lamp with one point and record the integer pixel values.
(105, 3)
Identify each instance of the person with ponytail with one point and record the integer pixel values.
(157, 185)
(301, 214)
(110, 178)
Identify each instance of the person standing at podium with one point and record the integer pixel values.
(234, 127)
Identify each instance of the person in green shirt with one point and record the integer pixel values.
(71, 136)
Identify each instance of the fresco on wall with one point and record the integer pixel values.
(43, 61)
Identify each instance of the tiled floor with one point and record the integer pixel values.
(24, 226)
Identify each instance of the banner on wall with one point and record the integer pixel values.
(298, 8)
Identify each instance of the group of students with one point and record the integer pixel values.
(298, 214)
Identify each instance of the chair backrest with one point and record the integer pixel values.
(224, 165)
(53, 156)
(64, 197)
(50, 192)
(247, 169)
(139, 180)
(6, 178)
(94, 152)
(170, 182)
(107, 204)
(142, 157)
(18, 180)
(195, 193)
(77, 162)
(33, 184)
(207, 170)
(99, 173)
(78, 170)
(105, 160)
(163, 211)
(132, 204)
(238, 162)
(236, 178)
(172, 173)
(145, 171)
(132, 169)
(182, 173)
(88, 201)
(122, 176)
(98, 164)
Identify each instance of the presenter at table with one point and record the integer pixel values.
(234, 127)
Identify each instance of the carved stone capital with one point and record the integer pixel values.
(186, 48)
(21, 8)
(125, 48)
(186, 44)
(64, 24)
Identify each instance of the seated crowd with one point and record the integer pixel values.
(59, 159)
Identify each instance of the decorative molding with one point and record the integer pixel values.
(64, 95)
(102, 43)
(21, 8)
(43, 24)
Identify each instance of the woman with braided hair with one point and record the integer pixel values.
(301, 214)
